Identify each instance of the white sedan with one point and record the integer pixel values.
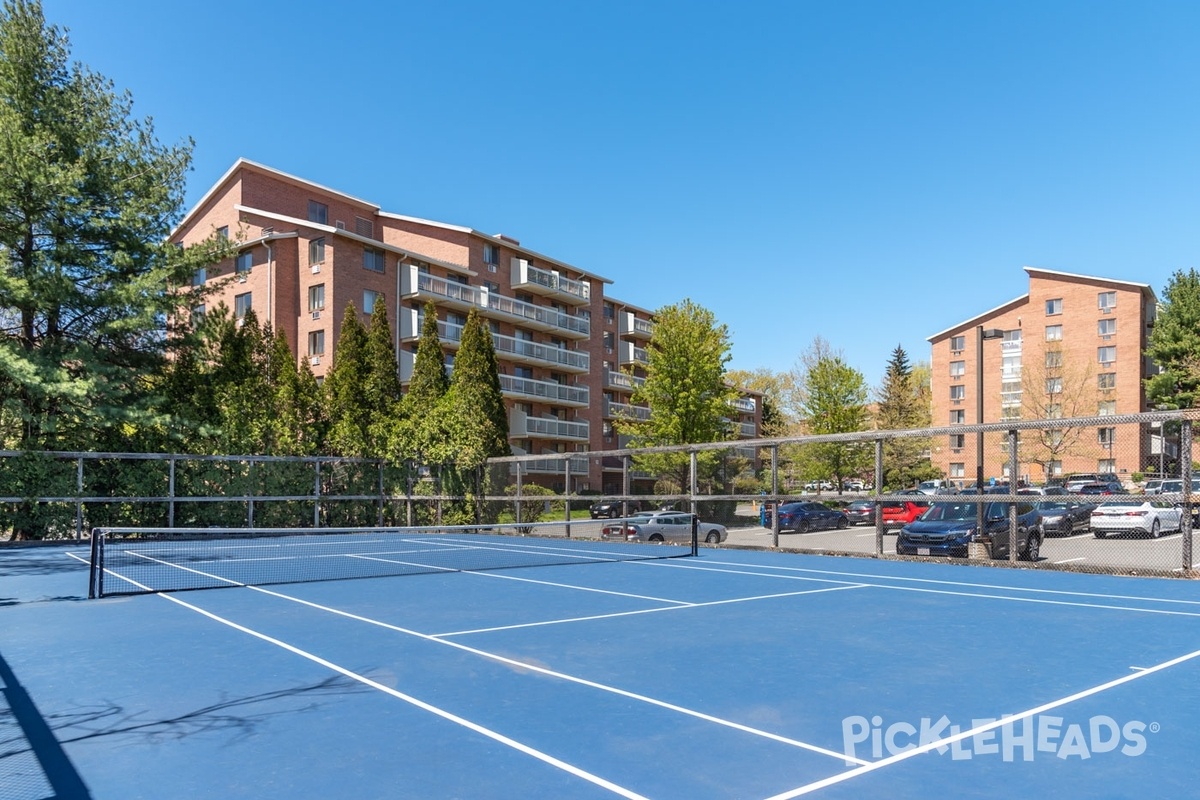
(663, 526)
(1148, 517)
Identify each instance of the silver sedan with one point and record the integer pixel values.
(663, 526)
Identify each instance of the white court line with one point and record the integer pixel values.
(905, 579)
(1000, 723)
(644, 611)
(440, 712)
(503, 660)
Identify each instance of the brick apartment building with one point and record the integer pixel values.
(1072, 347)
(569, 355)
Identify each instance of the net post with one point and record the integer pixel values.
(96, 565)
(878, 504)
(78, 500)
(695, 532)
(1013, 467)
(1185, 472)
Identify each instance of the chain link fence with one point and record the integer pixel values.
(1104, 494)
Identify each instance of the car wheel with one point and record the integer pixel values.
(656, 538)
(1032, 547)
(1155, 529)
(842, 522)
(802, 526)
(1099, 534)
(713, 537)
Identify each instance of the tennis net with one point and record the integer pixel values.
(144, 560)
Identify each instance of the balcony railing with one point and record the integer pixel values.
(748, 429)
(634, 327)
(549, 282)
(745, 404)
(631, 354)
(551, 466)
(547, 391)
(422, 284)
(626, 410)
(516, 349)
(521, 424)
(620, 380)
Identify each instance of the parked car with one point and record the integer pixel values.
(1175, 486)
(1065, 517)
(853, 486)
(1100, 487)
(1139, 516)
(611, 509)
(1076, 479)
(663, 526)
(933, 487)
(818, 486)
(809, 516)
(1153, 486)
(947, 529)
(899, 514)
(1042, 490)
(861, 512)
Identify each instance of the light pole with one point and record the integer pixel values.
(980, 335)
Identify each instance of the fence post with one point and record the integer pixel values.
(1013, 542)
(517, 510)
(1185, 472)
(878, 489)
(409, 466)
(78, 498)
(171, 492)
(250, 496)
(775, 495)
(625, 485)
(381, 500)
(567, 493)
(693, 482)
(317, 492)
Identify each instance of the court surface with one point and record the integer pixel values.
(734, 674)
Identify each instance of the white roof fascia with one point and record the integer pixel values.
(978, 317)
(333, 231)
(1143, 287)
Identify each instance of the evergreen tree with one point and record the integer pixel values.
(902, 406)
(479, 423)
(382, 380)
(419, 431)
(86, 274)
(346, 399)
(1175, 345)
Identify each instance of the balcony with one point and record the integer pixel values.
(549, 283)
(628, 353)
(423, 286)
(748, 430)
(545, 391)
(619, 380)
(626, 410)
(510, 348)
(744, 404)
(635, 328)
(551, 466)
(522, 425)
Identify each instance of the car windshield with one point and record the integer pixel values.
(942, 512)
(1122, 503)
(1054, 506)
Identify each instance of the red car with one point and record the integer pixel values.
(899, 514)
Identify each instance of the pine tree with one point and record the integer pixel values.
(345, 390)
(86, 274)
(419, 432)
(382, 380)
(1175, 345)
(479, 422)
(902, 406)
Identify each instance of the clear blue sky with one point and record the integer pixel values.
(870, 172)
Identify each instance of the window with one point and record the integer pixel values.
(241, 305)
(197, 315)
(1106, 355)
(1107, 408)
(1107, 300)
(1053, 307)
(316, 297)
(199, 277)
(958, 343)
(1053, 468)
(1054, 411)
(370, 298)
(1107, 327)
(491, 255)
(958, 417)
(364, 227)
(491, 286)
(958, 369)
(316, 251)
(1106, 465)
(609, 312)
(958, 441)
(1008, 413)
(1107, 380)
(1054, 333)
(1054, 385)
(223, 232)
(1013, 336)
(958, 392)
(316, 343)
(318, 212)
(608, 341)
(373, 259)
(1054, 359)
(1106, 436)
(957, 469)
(244, 262)
(523, 372)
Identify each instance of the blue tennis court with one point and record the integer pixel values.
(732, 674)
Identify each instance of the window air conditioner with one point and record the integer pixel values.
(316, 268)
(314, 360)
(241, 278)
(317, 314)
(341, 226)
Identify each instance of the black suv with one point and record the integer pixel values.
(611, 509)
